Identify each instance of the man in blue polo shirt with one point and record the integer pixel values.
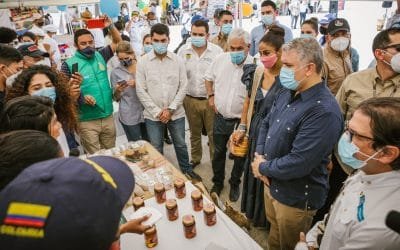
(294, 144)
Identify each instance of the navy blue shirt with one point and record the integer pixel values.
(296, 139)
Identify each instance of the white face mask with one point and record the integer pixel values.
(340, 44)
(394, 62)
(10, 80)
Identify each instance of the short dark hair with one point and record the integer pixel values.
(9, 55)
(382, 39)
(120, 25)
(223, 13)
(144, 37)
(7, 35)
(160, 29)
(313, 22)
(81, 32)
(268, 3)
(274, 37)
(201, 23)
(30, 35)
(150, 13)
(22, 148)
(384, 113)
(27, 112)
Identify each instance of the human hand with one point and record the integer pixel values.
(121, 87)
(302, 244)
(76, 79)
(165, 116)
(134, 226)
(131, 83)
(107, 21)
(258, 159)
(74, 91)
(89, 100)
(238, 136)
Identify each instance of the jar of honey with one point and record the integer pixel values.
(197, 200)
(180, 189)
(210, 215)
(172, 209)
(159, 193)
(189, 226)
(138, 202)
(150, 237)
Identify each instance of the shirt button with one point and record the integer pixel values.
(306, 186)
(276, 190)
(288, 105)
(288, 128)
(318, 101)
(268, 137)
(277, 120)
(306, 193)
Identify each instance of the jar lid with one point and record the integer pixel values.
(159, 187)
(209, 208)
(150, 230)
(196, 194)
(170, 203)
(138, 200)
(188, 220)
(179, 183)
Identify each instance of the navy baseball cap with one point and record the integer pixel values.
(198, 17)
(65, 203)
(31, 50)
(339, 24)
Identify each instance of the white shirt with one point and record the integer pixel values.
(98, 37)
(135, 35)
(344, 231)
(214, 30)
(53, 48)
(161, 84)
(196, 67)
(303, 7)
(229, 91)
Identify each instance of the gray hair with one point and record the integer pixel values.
(240, 34)
(309, 51)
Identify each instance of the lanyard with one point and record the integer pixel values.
(360, 208)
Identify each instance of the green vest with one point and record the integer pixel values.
(95, 83)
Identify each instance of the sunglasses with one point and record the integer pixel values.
(393, 46)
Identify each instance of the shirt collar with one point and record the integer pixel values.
(309, 93)
(384, 179)
(378, 79)
(153, 56)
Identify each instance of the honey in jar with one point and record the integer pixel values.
(159, 193)
(172, 209)
(180, 189)
(210, 215)
(189, 226)
(150, 237)
(197, 200)
(138, 202)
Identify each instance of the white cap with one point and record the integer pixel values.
(50, 28)
(37, 31)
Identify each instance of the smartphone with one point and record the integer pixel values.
(74, 68)
(122, 83)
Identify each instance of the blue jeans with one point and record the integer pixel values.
(135, 132)
(155, 131)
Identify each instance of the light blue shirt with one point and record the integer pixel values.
(258, 32)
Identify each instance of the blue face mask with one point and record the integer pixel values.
(226, 28)
(198, 41)
(147, 48)
(237, 57)
(306, 36)
(49, 92)
(286, 77)
(88, 52)
(160, 48)
(267, 19)
(346, 151)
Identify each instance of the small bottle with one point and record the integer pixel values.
(197, 200)
(138, 202)
(172, 209)
(189, 226)
(150, 237)
(180, 189)
(159, 193)
(210, 215)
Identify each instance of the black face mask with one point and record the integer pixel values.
(88, 52)
(323, 30)
(126, 63)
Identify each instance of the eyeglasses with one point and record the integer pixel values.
(393, 46)
(353, 133)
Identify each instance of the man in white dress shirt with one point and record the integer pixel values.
(161, 83)
(198, 56)
(226, 94)
(55, 55)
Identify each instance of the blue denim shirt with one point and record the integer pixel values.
(258, 32)
(296, 139)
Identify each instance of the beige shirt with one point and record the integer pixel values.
(196, 67)
(221, 41)
(161, 84)
(337, 66)
(363, 85)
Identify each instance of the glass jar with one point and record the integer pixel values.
(210, 214)
(197, 200)
(159, 193)
(172, 209)
(180, 189)
(138, 202)
(150, 237)
(189, 226)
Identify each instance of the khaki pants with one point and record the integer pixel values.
(199, 114)
(97, 134)
(286, 223)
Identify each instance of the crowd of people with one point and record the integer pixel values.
(321, 139)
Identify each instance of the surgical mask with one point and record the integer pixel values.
(305, 36)
(226, 28)
(287, 78)
(126, 63)
(198, 41)
(346, 151)
(340, 44)
(267, 19)
(49, 92)
(160, 48)
(237, 57)
(88, 52)
(394, 62)
(10, 80)
(152, 22)
(269, 61)
(147, 48)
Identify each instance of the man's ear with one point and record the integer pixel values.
(388, 155)
(379, 54)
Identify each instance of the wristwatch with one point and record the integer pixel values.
(171, 110)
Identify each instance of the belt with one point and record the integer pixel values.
(229, 119)
(197, 98)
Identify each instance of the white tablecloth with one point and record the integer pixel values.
(225, 233)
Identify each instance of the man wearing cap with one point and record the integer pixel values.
(33, 55)
(135, 29)
(198, 55)
(51, 31)
(67, 203)
(38, 23)
(225, 22)
(337, 62)
(268, 18)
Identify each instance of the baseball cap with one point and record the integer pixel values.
(31, 50)
(65, 203)
(50, 28)
(327, 19)
(337, 25)
(198, 17)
